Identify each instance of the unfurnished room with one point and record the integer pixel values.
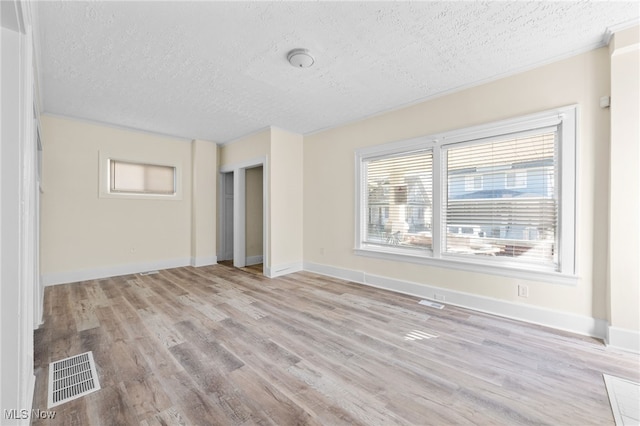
(320, 213)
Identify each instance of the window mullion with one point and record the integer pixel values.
(437, 222)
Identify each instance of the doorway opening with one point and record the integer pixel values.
(242, 227)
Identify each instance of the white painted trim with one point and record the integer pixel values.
(284, 269)
(112, 271)
(256, 132)
(247, 135)
(204, 261)
(610, 31)
(239, 217)
(532, 314)
(253, 260)
(18, 210)
(247, 164)
(624, 339)
(224, 252)
(239, 209)
(266, 215)
(332, 271)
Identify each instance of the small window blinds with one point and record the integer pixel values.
(138, 178)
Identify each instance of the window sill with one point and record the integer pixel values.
(139, 196)
(465, 264)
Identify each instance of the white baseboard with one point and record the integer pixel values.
(204, 261)
(253, 260)
(111, 271)
(532, 314)
(332, 271)
(622, 338)
(284, 269)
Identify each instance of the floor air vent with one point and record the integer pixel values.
(431, 304)
(71, 378)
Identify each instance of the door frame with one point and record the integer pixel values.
(239, 209)
(225, 224)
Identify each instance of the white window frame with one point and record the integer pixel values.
(565, 118)
(104, 190)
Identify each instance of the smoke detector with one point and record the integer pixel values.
(300, 58)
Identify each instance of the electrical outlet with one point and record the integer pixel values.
(523, 290)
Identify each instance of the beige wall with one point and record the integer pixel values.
(286, 198)
(204, 160)
(246, 149)
(624, 238)
(85, 235)
(310, 190)
(282, 151)
(254, 221)
(251, 148)
(329, 175)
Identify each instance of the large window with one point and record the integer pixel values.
(495, 198)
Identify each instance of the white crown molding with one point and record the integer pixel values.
(247, 135)
(610, 31)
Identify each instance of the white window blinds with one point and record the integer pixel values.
(398, 200)
(514, 214)
(136, 178)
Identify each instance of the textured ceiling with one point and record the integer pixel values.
(218, 70)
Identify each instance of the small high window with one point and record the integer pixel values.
(138, 178)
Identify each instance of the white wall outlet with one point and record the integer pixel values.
(523, 290)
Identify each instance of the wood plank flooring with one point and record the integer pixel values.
(222, 346)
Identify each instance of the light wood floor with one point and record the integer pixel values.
(254, 269)
(221, 346)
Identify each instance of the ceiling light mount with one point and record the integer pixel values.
(300, 58)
